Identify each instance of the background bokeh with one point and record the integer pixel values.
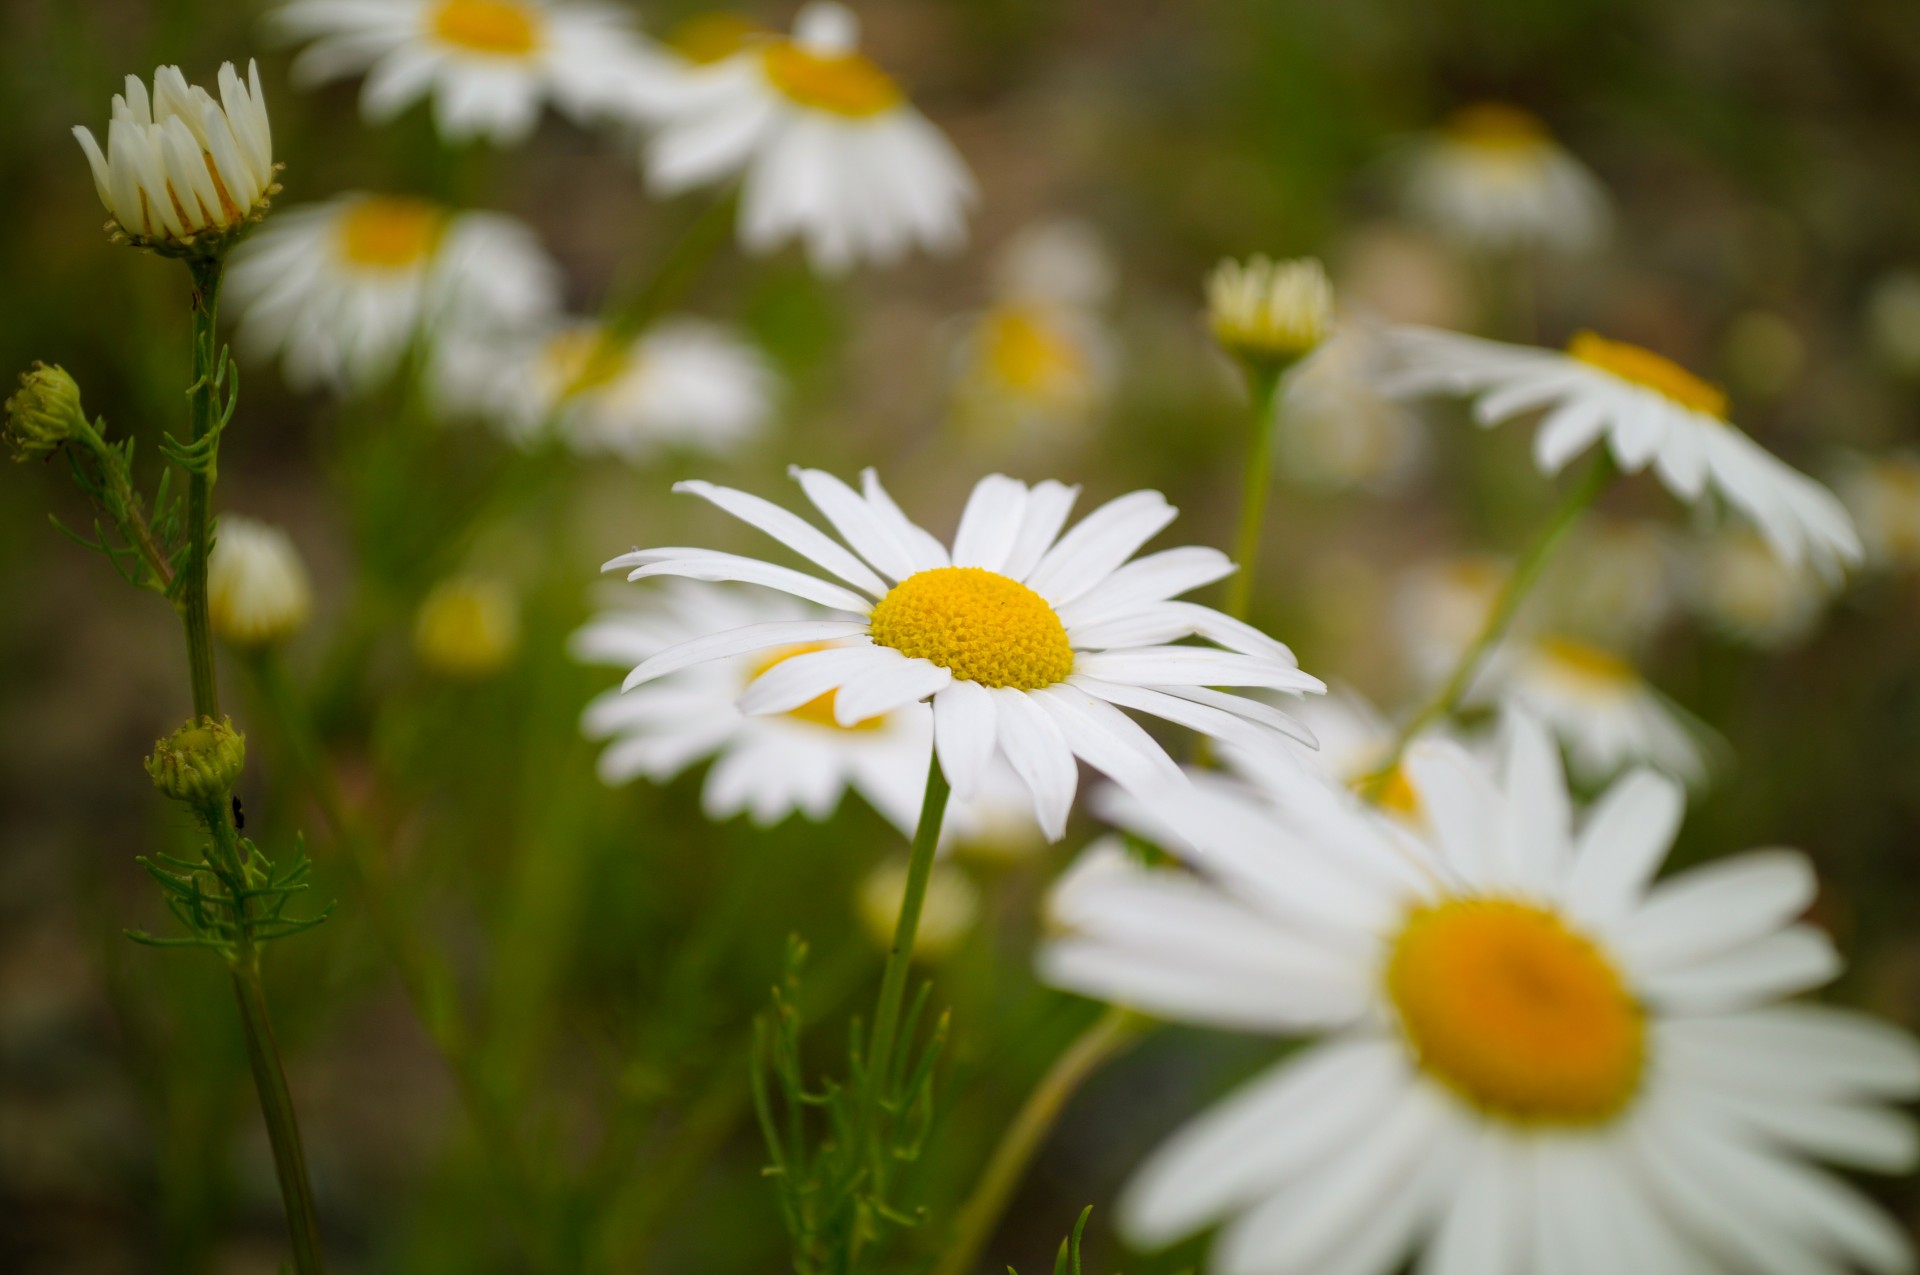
(612, 944)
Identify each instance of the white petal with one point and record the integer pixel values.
(900, 681)
(1805, 1051)
(1781, 964)
(1101, 541)
(1110, 741)
(1716, 907)
(790, 530)
(857, 524)
(1621, 844)
(964, 725)
(803, 678)
(1192, 666)
(990, 523)
(742, 641)
(1040, 756)
(1048, 504)
(1540, 819)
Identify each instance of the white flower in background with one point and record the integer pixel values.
(681, 383)
(1883, 492)
(1266, 311)
(1593, 700)
(948, 913)
(827, 147)
(180, 165)
(1337, 430)
(1616, 582)
(1748, 594)
(341, 290)
(1893, 321)
(1440, 608)
(468, 627)
(1534, 1058)
(489, 64)
(1649, 411)
(1027, 641)
(1494, 179)
(258, 593)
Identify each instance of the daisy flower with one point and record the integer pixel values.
(258, 593)
(1028, 641)
(1533, 1056)
(1751, 596)
(1494, 179)
(1650, 411)
(489, 64)
(680, 383)
(340, 290)
(826, 145)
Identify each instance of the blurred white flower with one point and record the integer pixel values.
(1532, 1056)
(1883, 493)
(489, 64)
(1748, 594)
(827, 147)
(180, 165)
(467, 627)
(1615, 582)
(1337, 429)
(948, 913)
(1440, 607)
(1893, 321)
(1270, 311)
(258, 593)
(1494, 179)
(1649, 411)
(341, 290)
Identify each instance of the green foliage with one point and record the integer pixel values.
(1067, 1260)
(231, 902)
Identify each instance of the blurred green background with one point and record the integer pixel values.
(611, 945)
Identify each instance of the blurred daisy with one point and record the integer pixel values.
(1493, 178)
(682, 383)
(489, 64)
(1748, 594)
(947, 915)
(1440, 608)
(1535, 1058)
(1337, 430)
(179, 165)
(1616, 582)
(1883, 492)
(827, 147)
(467, 628)
(1027, 641)
(340, 290)
(258, 593)
(1607, 715)
(1649, 411)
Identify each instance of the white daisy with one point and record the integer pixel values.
(1441, 606)
(340, 290)
(258, 593)
(1650, 411)
(1494, 179)
(1615, 581)
(1028, 641)
(179, 165)
(489, 64)
(1270, 311)
(1536, 1060)
(1748, 594)
(682, 383)
(827, 147)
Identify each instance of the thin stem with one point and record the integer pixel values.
(1107, 1036)
(276, 1105)
(1263, 391)
(893, 982)
(203, 406)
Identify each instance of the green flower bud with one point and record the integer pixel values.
(200, 762)
(43, 413)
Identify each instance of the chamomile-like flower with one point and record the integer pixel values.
(1494, 179)
(1267, 311)
(340, 290)
(1028, 641)
(825, 143)
(1533, 1059)
(1649, 411)
(489, 64)
(258, 593)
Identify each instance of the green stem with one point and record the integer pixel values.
(276, 1105)
(1107, 1036)
(670, 281)
(202, 402)
(893, 982)
(1263, 391)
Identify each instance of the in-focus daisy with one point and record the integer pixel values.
(827, 147)
(1751, 596)
(179, 166)
(489, 64)
(1883, 492)
(1535, 1059)
(1494, 179)
(1649, 411)
(1028, 641)
(258, 594)
(468, 627)
(341, 289)
(682, 383)
(1338, 431)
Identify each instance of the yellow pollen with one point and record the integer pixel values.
(1586, 662)
(819, 709)
(503, 28)
(1028, 354)
(1497, 126)
(838, 83)
(707, 38)
(1517, 1014)
(1643, 367)
(585, 360)
(981, 625)
(391, 232)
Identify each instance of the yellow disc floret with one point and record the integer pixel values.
(981, 625)
(1643, 367)
(819, 710)
(1516, 1013)
(501, 28)
(391, 232)
(838, 83)
(1030, 355)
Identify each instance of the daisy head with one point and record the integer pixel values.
(341, 290)
(1530, 1055)
(1027, 641)
(827, 148)
(1649, 411)
(489, 65)
(183, 174)
(258, 593)
(1269, 313)
(1494, 179)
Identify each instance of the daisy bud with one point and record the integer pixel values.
(182, 174)
(468, 628)
(1269, 312)
(257, 589)
(200, 762)
(43, 413)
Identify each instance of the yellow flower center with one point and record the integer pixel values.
(584, 360)
(1588, 664)
(838, 83)
(1497, 126)
(819, 709)
(1027, 353)
(502, 28)
(467, 628)
(1643, 367)
(1520, 1016)
(391, 232)
(707, 38)
(1393, 792)
(981, 625)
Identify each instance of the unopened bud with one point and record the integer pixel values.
(43, 413)
(1271, 312)
(200, 762)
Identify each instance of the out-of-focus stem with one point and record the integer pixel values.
(1263, 390)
